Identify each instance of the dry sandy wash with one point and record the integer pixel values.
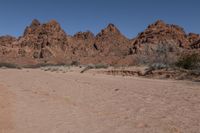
(37, 101)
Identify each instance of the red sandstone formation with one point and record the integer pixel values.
(48, 43)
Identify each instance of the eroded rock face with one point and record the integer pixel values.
(194, 40)
(84, 35)
(160, 33)
(32, 28)
(195, 45)
(43, 41)
(6, 40)
(6, 46)
(81, 45)
(107, 47)
(192, 37)
(110, 41)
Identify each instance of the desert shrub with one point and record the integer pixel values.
(9, 65)
(39, 65)
(164, 55)
(158, 55)
(75, 63)
(141, 59)
(189, 61)
(157, 66)
(99, 66)
(87, 68)
(96, 66)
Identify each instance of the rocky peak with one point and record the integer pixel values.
(53, 22)
(111, 29)
(52, 25)
(35, 23)
(161, 32)
(37, 28)
(158, 24)
(111, 42)
(43, 40)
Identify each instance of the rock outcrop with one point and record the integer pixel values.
(48, 43)
(110, 41)
(160, 33)
(111, 45)
(7, 40)
(107, 47)
(42, 41)
(81, 45)
(194, 40)
(7, 46)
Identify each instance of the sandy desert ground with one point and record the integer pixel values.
(37, 101)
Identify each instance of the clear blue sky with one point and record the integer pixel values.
(130, 16)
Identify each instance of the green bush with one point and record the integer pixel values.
(189, 61)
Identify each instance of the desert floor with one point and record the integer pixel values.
(37, 101)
